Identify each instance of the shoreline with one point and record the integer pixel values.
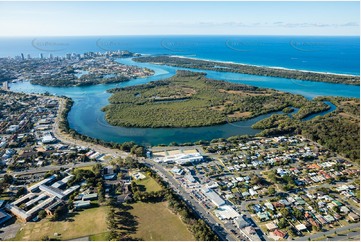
(261, 66)
(67, 139)
(255, 70)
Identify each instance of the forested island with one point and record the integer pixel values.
(249, 69)
(189, 99)
(338, 130)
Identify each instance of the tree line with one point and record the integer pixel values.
(197, 226)
(249, 69)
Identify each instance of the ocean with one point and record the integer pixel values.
(323, 54)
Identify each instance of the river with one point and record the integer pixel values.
(87, 118)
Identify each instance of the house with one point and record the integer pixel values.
(342, 188)
(337, 203)
(313, 167)
(280, 233)
(329, 218)
(138, 176)
(252, 192)
(321, 219)
(301, 227)
(124, 198)
(284, 202)
(245, 194)
(271, 226)
(263, 216)
(278, 205)
(353, 217)
(314, 223)
(337, 216)
(269, 206)
(344, 209)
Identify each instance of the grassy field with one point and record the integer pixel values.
(91, 221)
(157, 222)
(90, 168)
(149, 184)
(99, 237)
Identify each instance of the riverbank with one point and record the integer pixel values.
(193, 63)
(68, 139)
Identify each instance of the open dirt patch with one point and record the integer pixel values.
(240, 114)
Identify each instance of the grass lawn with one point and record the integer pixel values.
(90, 221)
(99, 237)
(157, 222)
(90, 168)
(149, 184)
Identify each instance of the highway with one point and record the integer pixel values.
(221, 231)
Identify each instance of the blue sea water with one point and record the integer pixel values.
(324, 54)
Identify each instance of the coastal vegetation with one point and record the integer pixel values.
(189, 99)
(338, 130)
(249, 69)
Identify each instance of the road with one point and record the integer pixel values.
(45, 169)
(221, 231)
(332, 232)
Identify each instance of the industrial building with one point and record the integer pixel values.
(213, 196)
(182, 159)
(226, 212)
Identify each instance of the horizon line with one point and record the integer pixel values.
(158, 35)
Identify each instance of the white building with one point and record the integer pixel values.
(226, 212)
(213, 196)
(182, 159)
(48, 139)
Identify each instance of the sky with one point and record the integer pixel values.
(179, 18)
